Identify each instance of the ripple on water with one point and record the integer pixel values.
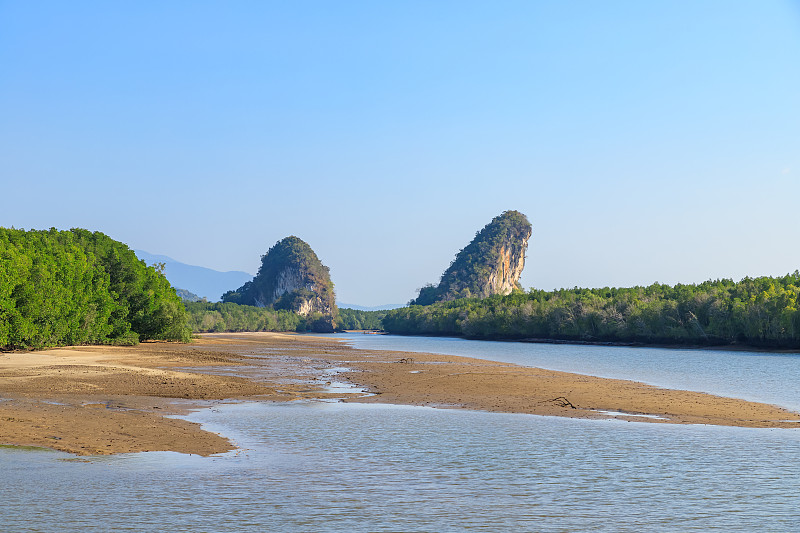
(335, 467)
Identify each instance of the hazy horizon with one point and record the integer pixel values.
(644, 141)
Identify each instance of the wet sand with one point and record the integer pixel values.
(103, 400)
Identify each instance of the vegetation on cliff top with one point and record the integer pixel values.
(758, 312)
(468, 274)
(78, 287)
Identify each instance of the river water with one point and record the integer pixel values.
(757, 376)
(346, 467)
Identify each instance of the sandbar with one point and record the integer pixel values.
(98, 400)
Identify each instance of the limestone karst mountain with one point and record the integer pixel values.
(291, 277)
(491, 264)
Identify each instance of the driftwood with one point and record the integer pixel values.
(561, 401)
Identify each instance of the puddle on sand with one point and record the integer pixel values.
(621, 413)
(340, 387)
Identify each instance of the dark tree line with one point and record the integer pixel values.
(207, 317)
(755, 311)
(78, 287)
(357, 319)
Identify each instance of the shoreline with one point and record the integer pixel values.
(731, 347)
(98, 400)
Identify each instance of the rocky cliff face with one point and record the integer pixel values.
(491, 264)
(291, 277)
(505, 276)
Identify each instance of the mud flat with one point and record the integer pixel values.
(101, 400)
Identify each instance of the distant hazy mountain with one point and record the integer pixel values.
(201, 281)
(375, 308)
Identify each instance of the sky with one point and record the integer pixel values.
(645, 141)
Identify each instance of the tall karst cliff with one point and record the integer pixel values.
(291, 277)
(491, 264)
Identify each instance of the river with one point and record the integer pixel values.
(320, 466)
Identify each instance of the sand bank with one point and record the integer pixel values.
(101, 400)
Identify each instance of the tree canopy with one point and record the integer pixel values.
(78, 287)
(221, 317)
(754, 311)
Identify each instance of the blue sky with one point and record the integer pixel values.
(645, 141)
